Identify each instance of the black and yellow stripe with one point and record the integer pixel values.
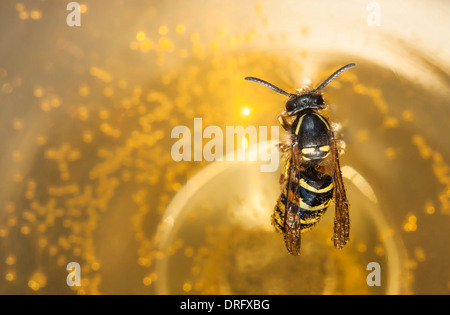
(310, 196)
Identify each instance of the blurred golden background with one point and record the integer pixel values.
(87, 175)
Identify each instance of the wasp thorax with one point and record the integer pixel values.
(312, 133)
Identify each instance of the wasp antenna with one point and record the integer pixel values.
(334, 75)
(270, 86)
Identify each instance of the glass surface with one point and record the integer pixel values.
(87, 173)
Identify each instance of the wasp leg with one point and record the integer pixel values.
(284, 147)
(282, 119)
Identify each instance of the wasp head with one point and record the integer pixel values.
(297, 103)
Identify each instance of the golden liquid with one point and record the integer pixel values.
(88, 177)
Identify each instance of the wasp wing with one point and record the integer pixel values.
(342, 216)
(292, 228)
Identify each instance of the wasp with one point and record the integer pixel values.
(312, 174)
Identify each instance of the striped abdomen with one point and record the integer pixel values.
(310, 195)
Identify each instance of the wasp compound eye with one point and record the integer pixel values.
(317, 99)
(291, 105)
